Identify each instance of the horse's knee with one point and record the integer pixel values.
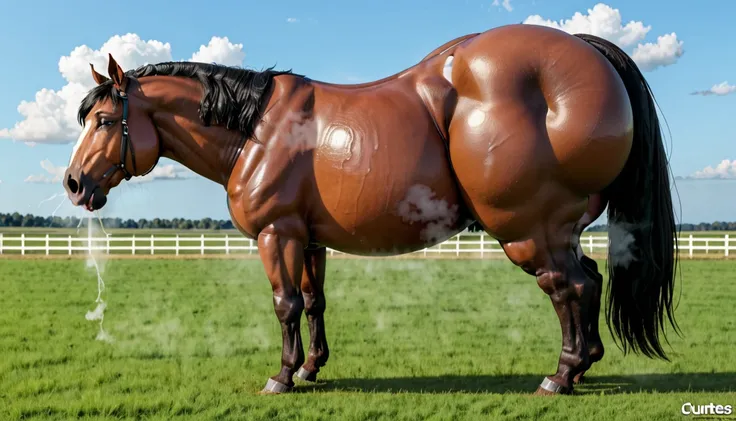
(288, 307)
(314, 304)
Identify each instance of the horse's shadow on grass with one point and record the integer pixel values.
(527, 383)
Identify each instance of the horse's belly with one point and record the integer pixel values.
(387, 197)
(419, 219)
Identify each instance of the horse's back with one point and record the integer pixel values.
(542, 121)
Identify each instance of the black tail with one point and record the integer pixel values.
(642, 256)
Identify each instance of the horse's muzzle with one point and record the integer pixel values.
(83, 192)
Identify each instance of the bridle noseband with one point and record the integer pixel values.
(125, 143)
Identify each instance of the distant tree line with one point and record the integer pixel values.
(703, 226)
(28, 220)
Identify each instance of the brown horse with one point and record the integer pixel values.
(534, 133)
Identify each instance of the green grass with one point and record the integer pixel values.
(410, 340)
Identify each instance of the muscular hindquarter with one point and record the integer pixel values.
(542, 122)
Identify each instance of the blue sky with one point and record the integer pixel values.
(345, 42)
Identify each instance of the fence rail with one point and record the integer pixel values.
(465, 244)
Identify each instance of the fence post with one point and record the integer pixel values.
(691, 245)
(47, 244)
(590, 243)
(133, 245)
(151, 243)
(201, 249)
(726, 243)
(1, 243)
(70, 245)
(177, 244)
(107, 243)
(457, 245)
(227, 244)
(482, 244)
(23, 243)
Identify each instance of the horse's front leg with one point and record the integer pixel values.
(281, 248)
(313, 281)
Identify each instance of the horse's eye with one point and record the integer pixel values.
(106, 122)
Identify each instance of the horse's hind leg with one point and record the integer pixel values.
(313, 281)
(596, 206)
(595, 344)
(549, 256)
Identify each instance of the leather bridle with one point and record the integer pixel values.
(126, 144)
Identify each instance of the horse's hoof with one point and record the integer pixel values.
(544, 392)
(274, 388)
(550, 388)
(306, 375)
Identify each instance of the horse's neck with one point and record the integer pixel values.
(209, 151)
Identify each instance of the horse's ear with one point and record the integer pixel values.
(116, 73)
(96, 76)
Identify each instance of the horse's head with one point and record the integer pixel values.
(119, 140)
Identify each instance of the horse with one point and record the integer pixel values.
(531, 136)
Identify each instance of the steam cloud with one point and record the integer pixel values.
(420, 205)
(622, 250)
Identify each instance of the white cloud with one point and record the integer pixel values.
(720, 89)
(165, 172)
(602, 21)
(129, 50)
(664, 52)
(725, 170)
(606, 22)
(292, 20)
(506, 4)
(54, 174)
(220, 51)
(51, 116)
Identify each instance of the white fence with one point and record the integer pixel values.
(465, 244)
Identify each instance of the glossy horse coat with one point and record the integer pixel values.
(533, 134)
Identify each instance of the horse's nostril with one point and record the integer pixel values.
(73, 185)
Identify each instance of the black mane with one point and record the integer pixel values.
(232, 95)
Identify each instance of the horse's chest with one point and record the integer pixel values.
(240, 218)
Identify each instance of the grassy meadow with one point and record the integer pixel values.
(410, 340)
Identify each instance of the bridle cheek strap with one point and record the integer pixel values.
(125, 145)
